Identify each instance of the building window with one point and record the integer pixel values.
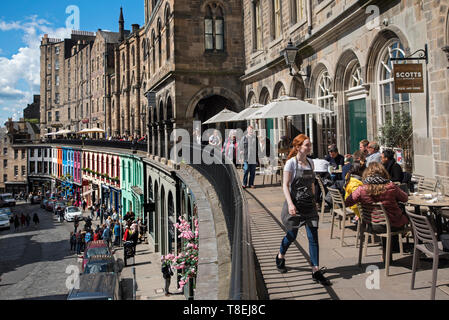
(16, 171)
(276, 18)
(5, 163)
(159, 40)
(32, 167)
(5, 178)
(57, 98)
(5, 151)
(68, 113)
(298, 11)
(23, 153)
(167, 33)
(214, 29)
(57, 65)
(57, 80)
(328, 122)
(257, 25)
(390, 103)
(23, 171)
(49, 116)
(39, 153)
(16, 154)
(153, 48)
(57, 116)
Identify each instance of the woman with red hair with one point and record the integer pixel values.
(299, 207)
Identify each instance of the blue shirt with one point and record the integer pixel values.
(117, 230)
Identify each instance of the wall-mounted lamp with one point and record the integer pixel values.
(289, 54)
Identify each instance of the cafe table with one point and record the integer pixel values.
(435, 205)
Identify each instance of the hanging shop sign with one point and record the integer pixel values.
(408, 78)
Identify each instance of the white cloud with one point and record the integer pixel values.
(24, 66)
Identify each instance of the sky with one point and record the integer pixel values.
(24, 22)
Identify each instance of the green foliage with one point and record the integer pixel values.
(397, 132)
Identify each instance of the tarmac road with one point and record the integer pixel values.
(33, 260)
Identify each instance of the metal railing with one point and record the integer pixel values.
(131, 145)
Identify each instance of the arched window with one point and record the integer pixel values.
(153, 48)
(325, 100)
(390, 103)
(214, 28)
(123, 60)
(167, 32)
(356, 79)
(159, 40)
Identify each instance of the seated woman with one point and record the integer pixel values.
(377, 187)
(353, 182)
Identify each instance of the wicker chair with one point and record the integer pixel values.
(424, 232)
(339, 209)
(375, 214)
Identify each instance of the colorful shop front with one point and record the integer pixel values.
(132, 185)
(101, 178)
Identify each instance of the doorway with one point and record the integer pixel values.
(357, 123)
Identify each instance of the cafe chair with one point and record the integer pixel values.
(426, 242)
(375, 214)
(339, 209)
(323, 195)
(427, 184)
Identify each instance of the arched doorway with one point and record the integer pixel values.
(157, 216)
(151, 213)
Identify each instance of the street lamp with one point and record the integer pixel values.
(289, 54)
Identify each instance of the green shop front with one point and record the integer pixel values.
(132, 185)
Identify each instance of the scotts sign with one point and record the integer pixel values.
(408, 78)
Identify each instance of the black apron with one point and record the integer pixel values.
(303, 199)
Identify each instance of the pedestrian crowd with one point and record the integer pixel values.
(21, 221)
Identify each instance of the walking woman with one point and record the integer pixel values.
(299, 208)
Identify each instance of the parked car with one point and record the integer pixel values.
(71, 212)
(50, 205)
(95, 248)
(103, 263)
(97, 286)
(6, 211)
(7, 200)
(44, 203)
(36, 199)
(4, 221)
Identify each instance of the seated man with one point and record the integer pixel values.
(392, 167)
(334, 158)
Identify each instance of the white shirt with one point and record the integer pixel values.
(321, 165)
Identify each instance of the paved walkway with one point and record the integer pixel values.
(349, 281)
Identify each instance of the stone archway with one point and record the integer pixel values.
(213, 91)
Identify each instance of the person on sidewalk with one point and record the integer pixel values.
(35, 219)
(250, 157)
(299, 207)
(167, 273)
(117, 234)
(107, 234)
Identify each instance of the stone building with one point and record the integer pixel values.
(32, 111)
(344, 64)
(13, 156)
(191, 57)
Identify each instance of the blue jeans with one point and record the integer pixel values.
(251, 169)
(312, 235)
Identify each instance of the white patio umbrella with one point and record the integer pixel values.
(95, 130)
(64, 132)
(286, 106)
(223, 116)
(84, 131)
(245, 113)
(51, 134)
